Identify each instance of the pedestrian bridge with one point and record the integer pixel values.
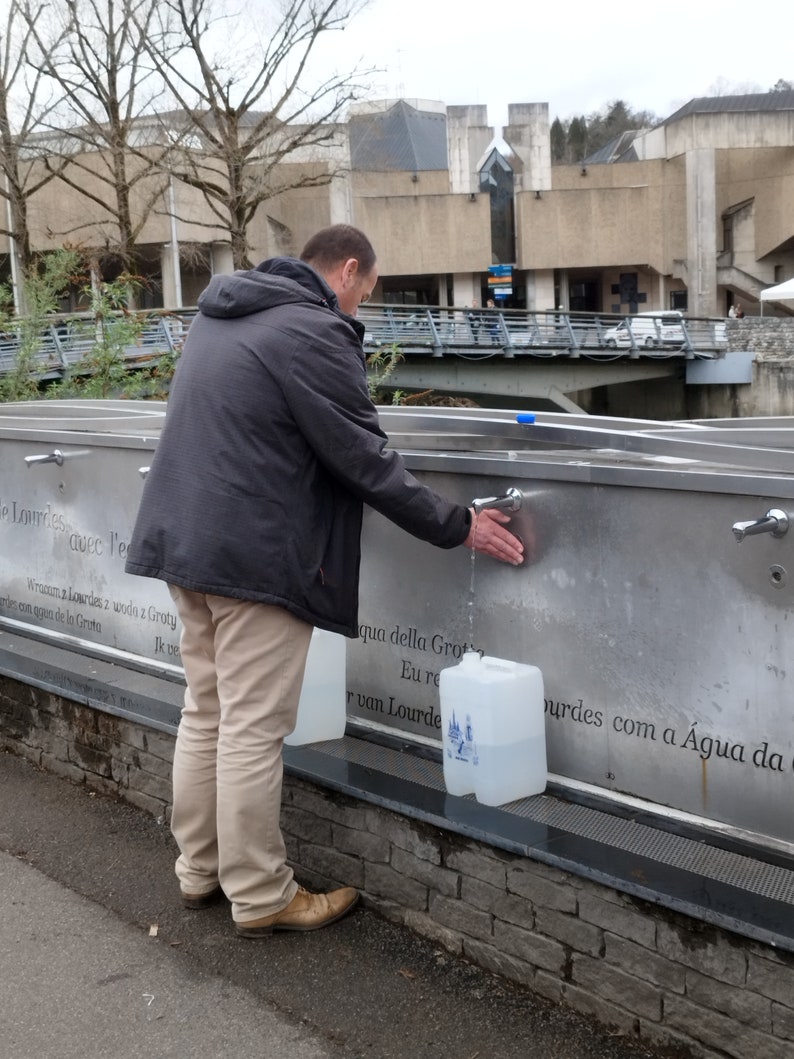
(509, 354)
(512, 332)
(518, 358)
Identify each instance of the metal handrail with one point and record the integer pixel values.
(434, 331)
(509, 332)
(64, 341)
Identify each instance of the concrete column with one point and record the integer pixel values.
(528, 134)
(17, 288)
(221, 260)
(167, 274)
(701, 231)
(175, 272)
(468, 138)
(564, 297)
(465, 288)
(661, 296)
(540, 290)
(340, 195)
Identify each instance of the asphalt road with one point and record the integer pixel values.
(99, 958)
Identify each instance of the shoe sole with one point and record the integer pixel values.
(265, 932)
(199, 901)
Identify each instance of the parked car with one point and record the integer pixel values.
(656, 327)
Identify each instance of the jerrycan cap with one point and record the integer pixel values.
(470, 659)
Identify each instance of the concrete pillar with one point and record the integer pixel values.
(340, 195)
(540, 290)
(221, 260)
(661, 296)
(564, 296)
(528, 134)
(701, 232)
(167, 274)
(465, 288)
(468, 138)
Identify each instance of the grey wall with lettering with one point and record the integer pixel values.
(665, 645)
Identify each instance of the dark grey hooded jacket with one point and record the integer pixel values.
(270, 447)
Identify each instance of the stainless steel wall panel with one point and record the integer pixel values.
(665, 645)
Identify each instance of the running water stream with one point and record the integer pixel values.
(471, 596)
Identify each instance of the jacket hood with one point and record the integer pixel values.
(277, 281)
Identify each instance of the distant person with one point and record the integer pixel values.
(474, 317)
(492, 322)
(732, 312)
(739, 313)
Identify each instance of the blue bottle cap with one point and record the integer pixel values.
(525, 417)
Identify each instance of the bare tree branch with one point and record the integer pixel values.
(24, 104)
(255, 108)
(105, 80)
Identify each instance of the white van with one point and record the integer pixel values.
(656, 327)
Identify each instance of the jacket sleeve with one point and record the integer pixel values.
(326, 390)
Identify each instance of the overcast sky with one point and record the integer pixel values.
(576, 57)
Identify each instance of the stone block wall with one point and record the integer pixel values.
(661, 977)
(771, 392)
(769, 337)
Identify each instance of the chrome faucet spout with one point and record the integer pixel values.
(510, 501)
(56, 456)
(774, 521)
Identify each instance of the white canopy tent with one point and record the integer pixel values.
(783, 292)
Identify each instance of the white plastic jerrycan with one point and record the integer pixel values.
(322, 707)
(493, 729)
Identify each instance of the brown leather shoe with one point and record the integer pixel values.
(204, 900)
(306, 911)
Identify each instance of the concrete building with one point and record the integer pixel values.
(694, 214)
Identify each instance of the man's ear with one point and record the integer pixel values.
(349, 271)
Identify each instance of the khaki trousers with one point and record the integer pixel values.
(244, 666)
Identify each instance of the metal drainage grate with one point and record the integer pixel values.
(710, 862)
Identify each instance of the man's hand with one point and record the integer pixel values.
(489, 535)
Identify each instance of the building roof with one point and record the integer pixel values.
(619, 149)
(758, 102)
(400, 138)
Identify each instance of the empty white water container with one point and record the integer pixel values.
(493, 729)
(322, 709)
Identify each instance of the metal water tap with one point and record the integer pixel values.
(774, 521)
(56, 456)
(510, 501)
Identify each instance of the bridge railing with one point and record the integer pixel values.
(438, 331)
(65, 342)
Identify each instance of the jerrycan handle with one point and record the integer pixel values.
(499, 667)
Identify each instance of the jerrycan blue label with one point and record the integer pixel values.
(460, 744)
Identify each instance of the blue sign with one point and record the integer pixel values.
(500, 281)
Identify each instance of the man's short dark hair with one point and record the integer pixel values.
(330, 246)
